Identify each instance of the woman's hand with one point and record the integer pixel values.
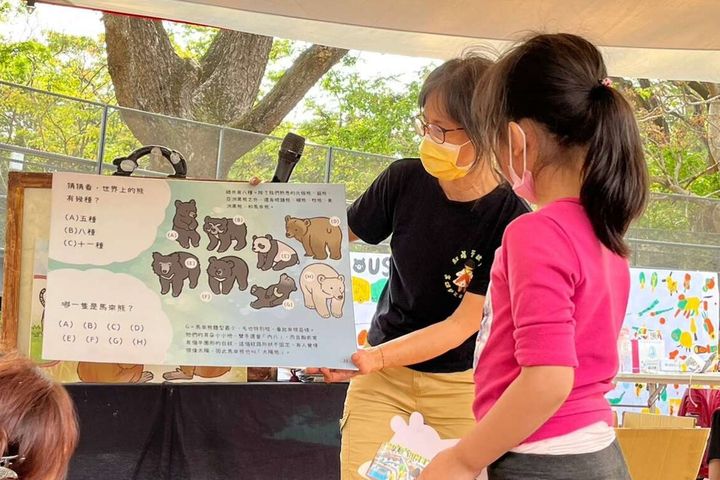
(447, 464)
(254, 181)
(332, 375)
(367, 360)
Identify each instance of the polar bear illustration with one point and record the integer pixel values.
(323, 290)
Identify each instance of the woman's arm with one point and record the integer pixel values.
(351, 236)
(427, 343)
(415, 347)
(535, 395)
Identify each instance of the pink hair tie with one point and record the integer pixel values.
(606, 82)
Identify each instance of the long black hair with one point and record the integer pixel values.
(558, 80)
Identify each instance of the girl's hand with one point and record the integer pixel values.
(254, 181)
(332, 375)
(447, 464)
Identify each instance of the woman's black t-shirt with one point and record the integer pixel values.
(440, 248)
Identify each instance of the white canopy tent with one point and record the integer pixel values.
(667, 39)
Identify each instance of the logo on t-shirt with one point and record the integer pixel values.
(485, 327)
(457, 285)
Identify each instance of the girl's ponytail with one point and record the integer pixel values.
(615, 185)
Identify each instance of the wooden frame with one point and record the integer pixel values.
(17, 184)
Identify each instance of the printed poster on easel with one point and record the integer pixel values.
(176, 272)
(671, 327)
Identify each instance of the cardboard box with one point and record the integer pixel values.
(660, 447)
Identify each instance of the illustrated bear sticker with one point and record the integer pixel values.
(323, 290)
(185, 223)
(222, 232)
(172, 271)
(317, 236)
(273, 254)
(225, 272)
(275, 294)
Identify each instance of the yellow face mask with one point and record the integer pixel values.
(440, 160)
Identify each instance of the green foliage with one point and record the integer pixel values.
(190, 41)
(368, 115)
(66, 65)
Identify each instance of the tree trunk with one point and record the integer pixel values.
(220, 89)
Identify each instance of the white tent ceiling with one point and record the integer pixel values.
(668, 39)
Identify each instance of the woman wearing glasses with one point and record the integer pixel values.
(446, 214)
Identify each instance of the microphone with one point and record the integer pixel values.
(290, 151)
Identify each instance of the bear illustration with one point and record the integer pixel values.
(185, 223)
(89, 372)
(317, 236)
(172, 271)
(222, 232)
(188, 373)
(275, 294)
(224, 272)
(273, 254)
(323, 290)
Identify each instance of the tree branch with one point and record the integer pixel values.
(147, 73)
(230, 75)
(310, 66)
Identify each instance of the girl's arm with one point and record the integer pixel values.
(535, 395)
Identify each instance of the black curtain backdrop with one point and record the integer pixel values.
(208, 431)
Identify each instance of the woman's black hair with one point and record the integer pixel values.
(558, 80)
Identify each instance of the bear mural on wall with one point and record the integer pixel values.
(188, 373)
(172, 271)
(185, 223)
(222, 232)
(323, 290)
(225, 272)
(317, 236)
(273, 254)
(90, 372)
(275, 294)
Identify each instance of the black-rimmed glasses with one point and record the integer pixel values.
(436, 132)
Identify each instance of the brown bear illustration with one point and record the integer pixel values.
(89, 372)
(222, 232)
(185, 223)
(323, 290)
(317, 236)
(188, 373)
(273, 254)
(225, 272)
(172, 271)
(275, 294)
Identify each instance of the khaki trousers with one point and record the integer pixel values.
(444, 400)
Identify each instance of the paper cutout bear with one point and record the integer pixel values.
(185, 223)
(317, 236)
(222, 232)
(224, 272)
(273, 254)
(323, 290)
(275, 294)
(418, 437)
(172, 271)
